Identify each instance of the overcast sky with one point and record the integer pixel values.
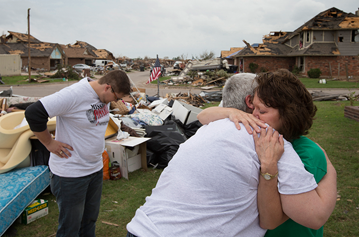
(139, 28)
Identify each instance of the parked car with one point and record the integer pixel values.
(103, 63)
(80, 67)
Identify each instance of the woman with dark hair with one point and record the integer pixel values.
(283, 91)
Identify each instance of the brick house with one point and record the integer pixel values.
(329, 41)
(48, 55)
(77, 55)
(43, 55)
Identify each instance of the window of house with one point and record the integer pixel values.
(300, 61)
(308, 37)
(340, 39)
(355, 36)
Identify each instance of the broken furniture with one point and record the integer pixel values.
(193, 99)
(15, 145)
(212, 96)
(352, 112)
(18, 100)
(130, 153)
(322, 96)
(184, 112)
(18, 188)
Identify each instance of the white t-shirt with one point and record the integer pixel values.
(81, 122)
(210, 186)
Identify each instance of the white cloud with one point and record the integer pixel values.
(141, 28)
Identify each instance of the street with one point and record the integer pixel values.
(139, 79)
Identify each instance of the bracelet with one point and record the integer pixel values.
(268, 176)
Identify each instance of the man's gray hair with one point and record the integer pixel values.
(236, 89)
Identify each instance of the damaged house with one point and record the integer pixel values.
(43, 55)
(97, 53)
(228, 53)
(329, 41)
(76, 55)
(47, 56)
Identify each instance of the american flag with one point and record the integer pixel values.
(156, 71)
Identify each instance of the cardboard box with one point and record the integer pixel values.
(134, 163)
(37, 209)
(128, 161)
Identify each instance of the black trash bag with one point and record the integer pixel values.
(166, 127)
(189, 129)
(39, 154)
(162, 147)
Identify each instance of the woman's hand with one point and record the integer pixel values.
(248, 120)
(269, 147)
(235, 115)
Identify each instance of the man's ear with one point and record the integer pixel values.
(248, 101)
(107, 87)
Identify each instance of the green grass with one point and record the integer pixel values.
(313, 83)
(338, 135)
(18, 80)
(210, 104)
(308, 82)
(161, 79)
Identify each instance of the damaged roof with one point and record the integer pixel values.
(76, 52)
(82, 44)
(225, 53)
(274, 43)
(36, 50)
(271, 46)
(98, 53)
(103, 54)
(331, 19)
(322, 49)
(15, 37)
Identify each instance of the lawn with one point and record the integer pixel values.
(18, 80)
(336, 134)
(313, 83)
(308, 82)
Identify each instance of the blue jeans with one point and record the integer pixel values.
(130, 235)
(78, 200)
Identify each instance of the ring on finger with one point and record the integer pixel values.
(61, 152)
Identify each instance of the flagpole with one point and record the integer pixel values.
(158, 82)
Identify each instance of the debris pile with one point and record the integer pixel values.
(188, 98)
(322, 96)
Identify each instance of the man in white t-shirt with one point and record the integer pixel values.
(210, 186)
(75, 161)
